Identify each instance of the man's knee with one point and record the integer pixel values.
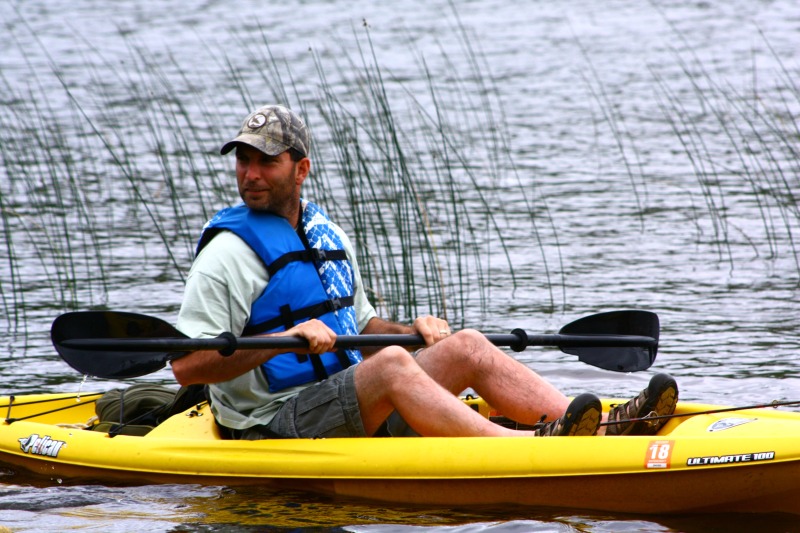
(392, 362)
(471, 337)
(471, 344)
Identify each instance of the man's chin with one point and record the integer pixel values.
(256, 204)
(259, 207)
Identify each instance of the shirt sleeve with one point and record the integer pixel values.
(224, 281)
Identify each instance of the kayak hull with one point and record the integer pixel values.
(742, 461)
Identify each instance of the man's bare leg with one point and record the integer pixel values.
(467, 359)
(392, 380)
(505, 383)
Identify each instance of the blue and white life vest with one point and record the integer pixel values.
(309, 277)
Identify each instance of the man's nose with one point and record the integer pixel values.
(251, 171)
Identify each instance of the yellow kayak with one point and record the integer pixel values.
(733, 461)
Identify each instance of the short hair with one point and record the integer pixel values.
(295, 155)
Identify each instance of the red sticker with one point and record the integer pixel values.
(659, 454)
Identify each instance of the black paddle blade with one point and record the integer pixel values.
(618, 359)
(110, 325)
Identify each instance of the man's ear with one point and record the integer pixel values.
(303, 168)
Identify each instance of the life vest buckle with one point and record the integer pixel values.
(333, 304)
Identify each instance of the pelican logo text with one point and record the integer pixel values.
(37, 445)
(727, 459)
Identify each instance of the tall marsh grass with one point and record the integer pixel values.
(761, 157)
(107, 179)
(103, 180)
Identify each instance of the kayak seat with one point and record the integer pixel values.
(138, 409)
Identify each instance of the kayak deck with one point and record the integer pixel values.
(744, 461)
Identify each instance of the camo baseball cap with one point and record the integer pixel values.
(273, 129)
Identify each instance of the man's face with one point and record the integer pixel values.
(268, 183)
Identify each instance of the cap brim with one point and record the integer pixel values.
(268, 146)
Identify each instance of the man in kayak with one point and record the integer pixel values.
(276, 265)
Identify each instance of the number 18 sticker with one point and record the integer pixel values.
(659, 454)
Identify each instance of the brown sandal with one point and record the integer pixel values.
(658, 399)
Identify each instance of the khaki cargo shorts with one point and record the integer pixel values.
(328, 409)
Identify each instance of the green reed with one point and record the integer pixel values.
(412, 175)
(120, 179)
(761, 159)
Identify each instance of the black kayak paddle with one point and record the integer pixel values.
(118, 345)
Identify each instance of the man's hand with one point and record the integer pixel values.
(431, 328)
(320, 337)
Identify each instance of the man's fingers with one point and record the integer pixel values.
(320, 337)
(431, 329)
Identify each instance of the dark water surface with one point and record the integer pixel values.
(655, 144)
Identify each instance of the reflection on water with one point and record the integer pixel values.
(172, 508)
(654, 144)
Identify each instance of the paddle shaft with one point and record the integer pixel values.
(111, 344)
(345, 341)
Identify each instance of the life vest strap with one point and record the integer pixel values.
(319, 368)
(308, 255)
(296, 315)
